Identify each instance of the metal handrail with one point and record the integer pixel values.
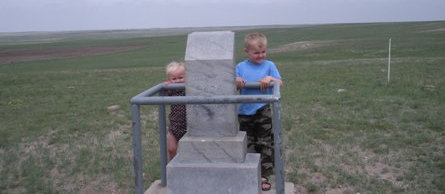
(148, 97)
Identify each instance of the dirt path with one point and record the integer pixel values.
(19, 55)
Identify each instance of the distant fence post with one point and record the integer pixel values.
(389, 61)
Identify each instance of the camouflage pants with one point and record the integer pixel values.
(258, 128)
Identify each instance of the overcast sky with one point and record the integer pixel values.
(55, 15)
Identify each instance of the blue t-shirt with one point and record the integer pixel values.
(253, 72)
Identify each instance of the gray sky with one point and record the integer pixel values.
(55, 15)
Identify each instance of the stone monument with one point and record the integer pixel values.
(212, 156)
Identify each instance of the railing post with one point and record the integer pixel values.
(163, 143)
(137, 153)
(278, 141)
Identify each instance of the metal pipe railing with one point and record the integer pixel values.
(137, 153)
(147, 98)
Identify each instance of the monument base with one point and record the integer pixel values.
(157, 188)
(212, 150)
(215, 178)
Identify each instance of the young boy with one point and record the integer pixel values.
(256, 118)
(178, 122)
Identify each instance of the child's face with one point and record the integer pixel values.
(177, 76)
(256, 53)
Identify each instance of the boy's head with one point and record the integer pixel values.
(175, 72)
(255, 46)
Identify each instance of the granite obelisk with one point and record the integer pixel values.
(212, 156)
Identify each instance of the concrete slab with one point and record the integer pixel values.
(156, 188)
(215, 178)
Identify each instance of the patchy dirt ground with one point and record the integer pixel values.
(297, 46)
(18, 55)
(433, 30)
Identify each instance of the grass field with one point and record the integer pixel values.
(346, 129)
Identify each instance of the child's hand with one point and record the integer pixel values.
(240, 82)
(264, 83)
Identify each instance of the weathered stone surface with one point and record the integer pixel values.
(211, 150)
(210, 71)
(217, 45)
(215, 178)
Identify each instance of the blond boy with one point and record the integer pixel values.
(256, 118)
(178, 122)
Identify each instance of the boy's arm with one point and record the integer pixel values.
(264, 83)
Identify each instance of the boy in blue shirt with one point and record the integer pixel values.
(256, 118)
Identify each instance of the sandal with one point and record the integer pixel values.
(265, 185)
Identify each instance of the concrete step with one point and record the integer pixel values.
(156, 188)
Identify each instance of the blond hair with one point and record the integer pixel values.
(255, 38)
(173, 66)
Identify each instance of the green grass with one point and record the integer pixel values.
(57, 136)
